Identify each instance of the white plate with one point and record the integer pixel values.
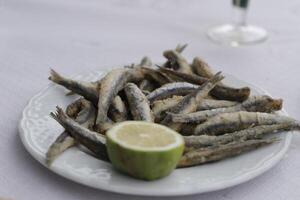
(38, 131)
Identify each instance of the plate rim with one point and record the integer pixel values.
(265, 166)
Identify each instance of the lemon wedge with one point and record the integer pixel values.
(144, 150)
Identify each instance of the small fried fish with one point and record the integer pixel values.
(170, 89)
(85, 89)
(252, 104)
(220, 91)
(138, 103)
(79, 105)
(257, 132)
(209, 104)
(118, 111)
(189, 103)
(85, 116)
(95, 142)
(159, 107)
(231, 122)
(111, 84)
(177, 61)
(206, 155)
(201, 68)
(155, 75)
(179, 48)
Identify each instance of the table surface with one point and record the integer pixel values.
(73, 36)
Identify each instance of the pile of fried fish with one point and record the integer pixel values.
(216, 120)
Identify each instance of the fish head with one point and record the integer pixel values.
(271, 104)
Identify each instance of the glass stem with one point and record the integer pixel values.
(240, 12)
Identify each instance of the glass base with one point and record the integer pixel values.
(237, 35)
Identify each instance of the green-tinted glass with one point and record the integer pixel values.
(240, 3)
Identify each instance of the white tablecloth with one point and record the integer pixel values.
(73, 36)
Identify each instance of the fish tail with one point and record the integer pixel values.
(70, 93)
(217, 78)
(180, 48)
(59, 115)
(55, 77)
(146, 61)
(62, 143)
